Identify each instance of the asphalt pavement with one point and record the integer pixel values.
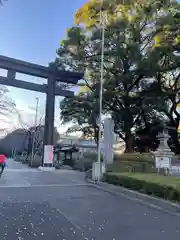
(61, 205)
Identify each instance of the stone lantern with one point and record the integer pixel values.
(163, 154)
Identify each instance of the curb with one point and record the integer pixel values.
(147, 200)
(46, 169)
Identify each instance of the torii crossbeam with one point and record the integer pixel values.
(51, 89)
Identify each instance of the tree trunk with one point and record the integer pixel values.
(29, 143)
(129, 142)
(96, 135)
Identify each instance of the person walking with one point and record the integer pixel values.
(2, 163)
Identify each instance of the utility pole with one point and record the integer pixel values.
(98, 168)
(35, 124)
(102, 22)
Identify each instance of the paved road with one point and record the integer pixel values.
(60, 205)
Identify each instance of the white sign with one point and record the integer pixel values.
(98, 169)
(108, 141)
(163, 162)
(48, 154)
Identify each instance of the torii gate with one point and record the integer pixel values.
(51, 89)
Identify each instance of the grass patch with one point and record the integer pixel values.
(167, 187)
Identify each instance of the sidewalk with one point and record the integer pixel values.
(147, 200)
(11, 164)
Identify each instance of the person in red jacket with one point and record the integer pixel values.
(2, 162)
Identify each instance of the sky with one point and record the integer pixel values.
(31, 30)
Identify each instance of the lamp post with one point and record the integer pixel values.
(101, 82)
(35, 124)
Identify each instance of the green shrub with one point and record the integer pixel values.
(133, 162)
(82, 165)
(75, 156)
(17, 158)
(35, 163)
(87, 164)
(167, 187)
(127, 166)
(85, 161)
(127, 162)
(61, 156)
(131, 166)
(92, 155)
(134, 157)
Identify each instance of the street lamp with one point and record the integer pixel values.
(35, 124)
(101, 82)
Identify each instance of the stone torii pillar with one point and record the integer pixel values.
(49, 124)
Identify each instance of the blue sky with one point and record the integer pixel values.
(31, 30)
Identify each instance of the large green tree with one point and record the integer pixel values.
(139, 48)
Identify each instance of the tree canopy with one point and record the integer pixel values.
(141, 64)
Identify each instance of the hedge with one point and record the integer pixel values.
(135, 157)
(135, 162)
(126, 162)
(129, 166)
(166, 187)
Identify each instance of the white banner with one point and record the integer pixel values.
(48, 154)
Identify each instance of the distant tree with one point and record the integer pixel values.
(82, 113)
(7, 108)
(34, 134)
